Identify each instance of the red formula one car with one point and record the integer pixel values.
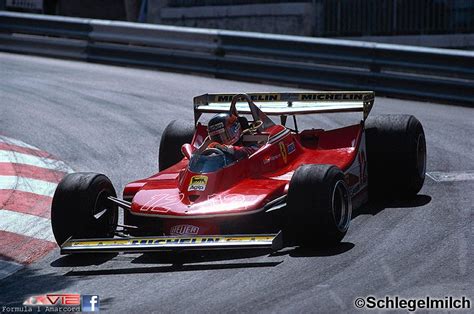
(296, 188)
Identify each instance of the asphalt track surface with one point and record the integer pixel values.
(109, 119)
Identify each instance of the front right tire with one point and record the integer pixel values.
(80, 207)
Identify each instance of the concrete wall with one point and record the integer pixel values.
(98, 9)
(282, 18)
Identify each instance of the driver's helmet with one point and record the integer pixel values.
(224, 128)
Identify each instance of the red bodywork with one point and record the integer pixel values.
(245, 188)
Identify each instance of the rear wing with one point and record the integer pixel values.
(284, 104)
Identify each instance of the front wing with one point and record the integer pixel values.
(167, 243)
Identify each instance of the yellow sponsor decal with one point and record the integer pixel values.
(180, 240)
(249, 239)
(168, 241)
(283, 152)
(198, 240)
(99, 242)
(197, 183)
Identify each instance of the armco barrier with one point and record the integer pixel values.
(400, 71)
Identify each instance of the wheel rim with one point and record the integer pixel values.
(100, 208)
(341, 206)
(421, 155)
(102, 213)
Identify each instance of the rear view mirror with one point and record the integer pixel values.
(187, 150)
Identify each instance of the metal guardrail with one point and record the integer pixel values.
(400, 71)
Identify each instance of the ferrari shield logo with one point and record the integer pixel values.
(197, 183)
(283, 152)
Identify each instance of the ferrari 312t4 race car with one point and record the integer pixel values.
(298, 188)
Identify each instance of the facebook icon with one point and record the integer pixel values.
(90, 303)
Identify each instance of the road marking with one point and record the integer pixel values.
(24, 150)
(27, 225)
(20, 158)
(12, 141)
(27, 203)
(27, 185)
(23, 249)
(32, 172)
(28, 180)
(451, 176)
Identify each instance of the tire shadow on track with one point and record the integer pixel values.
(82, 260)
(14, 291)
(316, 252)
(371, 208)
(168, 262)
(167, 269)
(375, 207)
(180, 258)
(177, 258)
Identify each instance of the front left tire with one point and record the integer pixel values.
(319, 207)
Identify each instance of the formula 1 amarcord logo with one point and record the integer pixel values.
(414, 304)
(61, 302)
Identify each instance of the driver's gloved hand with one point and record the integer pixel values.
(224, 148)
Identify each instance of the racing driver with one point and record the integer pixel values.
(225, 133)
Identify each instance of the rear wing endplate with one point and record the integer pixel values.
(169, 243)
(283, 104)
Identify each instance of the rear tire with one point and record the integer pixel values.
(80, 208)
(174, 136)
(396, 156)
(319, 206)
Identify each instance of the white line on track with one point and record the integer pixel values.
(439, 176)
(20, 158)
(26, 225)
(12, 141)
(27, 185)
